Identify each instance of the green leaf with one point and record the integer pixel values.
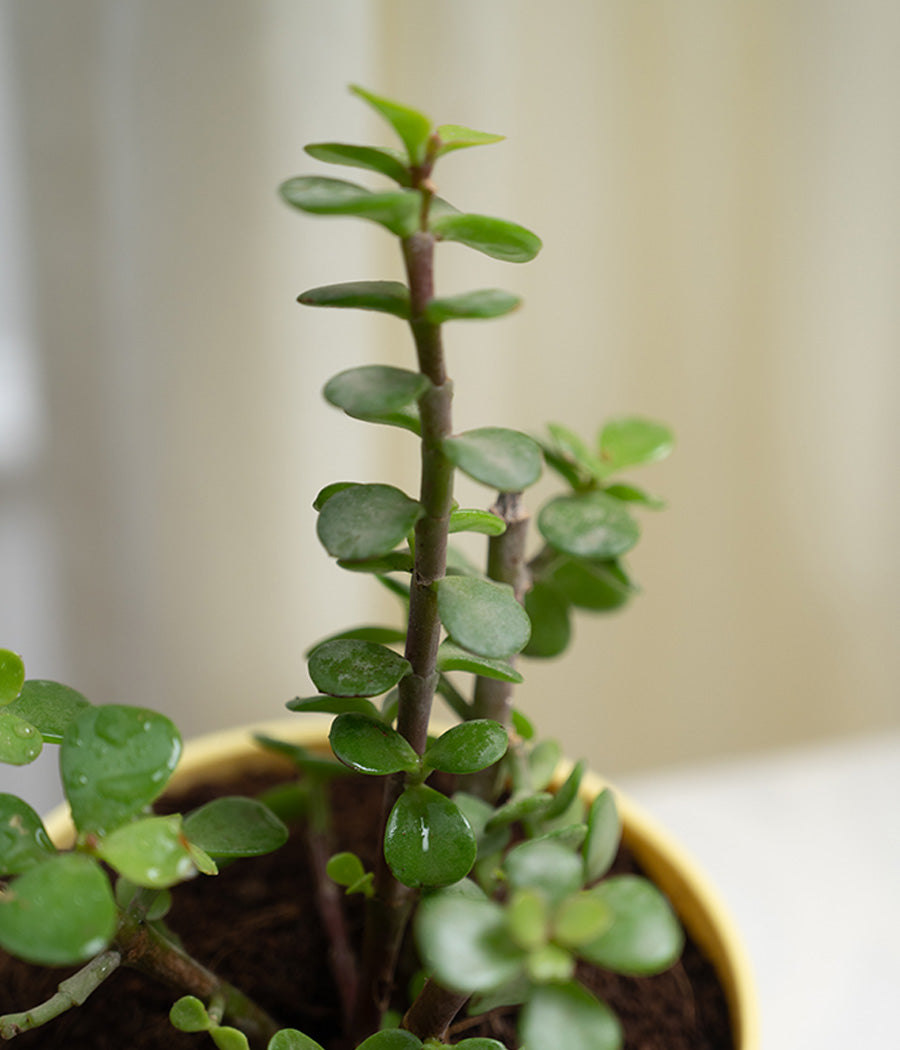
(227, 1038)
(551, 629)
(600, 586)
(542, 762)
(38, 922)
(313, 764)
(345, 868)
(391, 1039)
(478, 812)
(502, 240)
(150, 852)
(331, 490)
(479, 1043)
(428, 841)
(466, 944)
(365, 633)
(503, 459)
(234, 826)
(334, 705)
(20, 742)
(366, 521)
(49, 707)
(24, 842)
(291, 1039)
(562, 799)
(452, 658)
(545, 866)
(570, 445)
(632, 494)
(468, 747)
(481, 305)
(482, 616)
(631, 442)
(397, 211)
(116, 760)
(413, 127)
(644, 936)
(395, 561)
(188, 1014)
(12, 676)
(352, 668)
(519, 807)
(369, 746)
(527, 918)
(477, 521)
(379, 394)
(567, 1015)
(603, 836)
(370, 158)
(581, 918)
(588, 525)
(455, 136)
(386, 297)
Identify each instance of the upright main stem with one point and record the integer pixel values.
(390, 907)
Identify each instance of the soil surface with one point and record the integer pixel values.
(254, 924)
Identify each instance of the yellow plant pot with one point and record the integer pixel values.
(697, 903)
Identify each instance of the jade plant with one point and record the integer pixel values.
(491, 867)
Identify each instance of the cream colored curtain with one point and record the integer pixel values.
(716, 188)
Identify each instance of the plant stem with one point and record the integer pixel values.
(431, 1015)
(73, 991)
(144, 948)
(389, 909)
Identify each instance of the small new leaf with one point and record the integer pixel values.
(397, 211)
(370, 158)
(455, 136)
(413, 127)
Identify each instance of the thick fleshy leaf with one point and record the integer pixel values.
(631, 442)
(428, 841)
(478, 812)
(20, 742)
(482, 616)
(545, 866)
(395, 561)
(600, 586)
(481, 305)
(502, 240)
(116, 760)
(315, 765)
(465, 520)
(325, 494)
(38, 922)
(452, 658)
(24, 842)
(570, 445)
(188, 1014)
(466, 944)
(413, 127)
(581, 918)
(366, 521)
(235, 826)
(603, 836)
(567, 791)
(519, 807)
(150, 852)
(644, 937)
(397, 211)
(506, 460)
(468, 747)
(386, 297)
(333, 705)
(479, 1043)
(527, 918)
(345, 868)
(379, 394)
(455, 136)
(49, 707)
(370, 158)
(542, 762)
(369, 746)
(567, 1015)
(227, 1038)
(588, 525)
(291, 1039)
(551, 629)
(365, 633)
(353, 668)
(632, 494)
(391, 1039)
(12, 676)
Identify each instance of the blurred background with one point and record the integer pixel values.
(716, 187)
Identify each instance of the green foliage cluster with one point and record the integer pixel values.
(500, 873)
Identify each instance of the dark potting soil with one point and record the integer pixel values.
(255, 926)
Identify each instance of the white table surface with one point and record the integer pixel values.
(804, 847)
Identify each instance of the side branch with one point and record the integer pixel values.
(73, 991)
